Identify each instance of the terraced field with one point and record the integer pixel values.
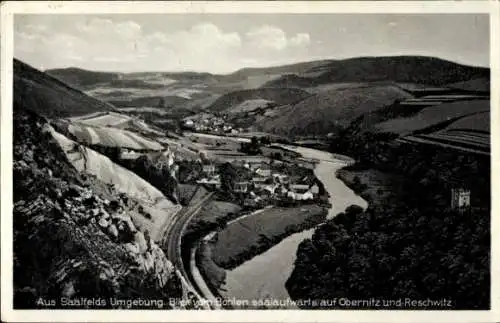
(434, 115)
(112, 137)
(462, 138)
(102, 119)
(470, 133)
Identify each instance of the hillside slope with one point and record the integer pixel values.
(87, 241)
(278, 96)
(49, 96)
(408, 69)
(326, 111)
(81, 78)
(434, 115)
(90, 162)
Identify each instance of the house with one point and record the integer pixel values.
(209, 169)
(212, 183)
(299, 188)
(314, 190)
(300, 192)
(165, 159)
(128, 154)
(241, 187)
(188, 124)
(264, 170)
(259, 182)
(254, 165)
(269, 190)
(300, 196)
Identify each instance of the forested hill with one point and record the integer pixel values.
(401, 69)
(409, 243)
(51, 97)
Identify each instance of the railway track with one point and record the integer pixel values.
(172, 238)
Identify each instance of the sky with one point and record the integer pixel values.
(223, 43)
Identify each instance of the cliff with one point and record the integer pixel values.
(74, 236)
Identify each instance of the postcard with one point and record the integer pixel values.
(249, 161)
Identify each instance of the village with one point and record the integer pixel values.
(209, 123)
(261, 183)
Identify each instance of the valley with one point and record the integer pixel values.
(201, 182)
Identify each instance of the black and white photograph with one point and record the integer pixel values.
(209, 161)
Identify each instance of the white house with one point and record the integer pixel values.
(300, 196)
(264, 170)
(214, 183)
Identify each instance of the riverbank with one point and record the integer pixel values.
(374, 186)
(245, 238)
(264, 276)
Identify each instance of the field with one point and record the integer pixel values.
(479, 122)
(433, 115)
(465, 139)
(216, 210)
(253, 234)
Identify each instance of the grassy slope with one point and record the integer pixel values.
(49, 96)
(240, 240)
(324, 112)
(478, 122)
(476, 84)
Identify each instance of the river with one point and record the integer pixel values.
(264, 276)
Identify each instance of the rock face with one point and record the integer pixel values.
(69, 238)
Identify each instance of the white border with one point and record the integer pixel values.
(79, 7)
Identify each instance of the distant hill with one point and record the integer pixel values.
(49, 96)
(81, 78)
(328, 111)
(279, 96)
(296, 68)
(151, 101)
(408, 69)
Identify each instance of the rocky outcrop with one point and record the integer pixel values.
(73, 235)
